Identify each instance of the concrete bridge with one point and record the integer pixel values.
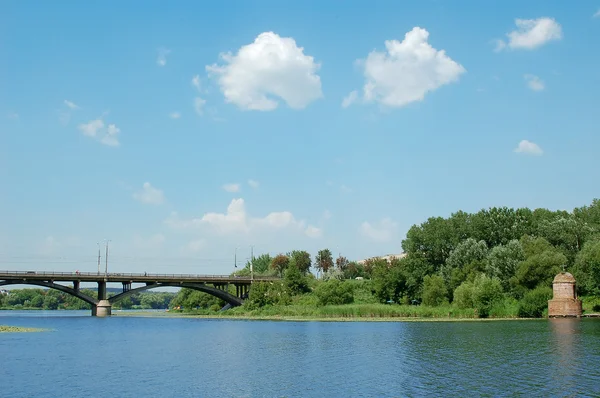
(216, 285)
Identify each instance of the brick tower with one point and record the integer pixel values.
(564, 301)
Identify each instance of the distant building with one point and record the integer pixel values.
(4, 292)
(388, 257)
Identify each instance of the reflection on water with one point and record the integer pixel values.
(133, 357)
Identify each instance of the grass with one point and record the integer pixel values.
(17, 329)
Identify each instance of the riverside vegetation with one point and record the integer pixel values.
(496, 263)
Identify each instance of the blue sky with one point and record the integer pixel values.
(182, 131)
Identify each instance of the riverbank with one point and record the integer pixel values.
(17, 329)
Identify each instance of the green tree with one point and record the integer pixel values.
(535, 302)
(434, 290)
(50, 302)
(463, 295)
(341, 263)
(503, 261)
(334, 292)
(587, 268)
(486, 292)
(466, 260)
(542, 262)
(389, 282)
(295, 281)
(324, 260)
(301, 259)
(280, 263)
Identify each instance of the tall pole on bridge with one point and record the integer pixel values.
(235, 257)
(251, 262)
(106, 260)
(98, 243)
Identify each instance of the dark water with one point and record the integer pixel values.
(169, 357)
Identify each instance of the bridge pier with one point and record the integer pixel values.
(103, 308)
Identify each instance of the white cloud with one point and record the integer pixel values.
(110, 138)
(534, 83)
(253, 184)
(149, 195)
(236, 220)
(199, 105)
(383, 231)
(531, 34)
(407, 70)
(231, 187)
(350, 99)
(92, 128)
(71, 105)
(196, 82)
(529, 148)
(313, 232)
(174, 115)
(196, 245)
(270, 68)
(161, 60)
(95, 129)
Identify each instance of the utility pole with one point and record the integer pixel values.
(235, 258)
(252, 263)
(106, 261)
(98, 243)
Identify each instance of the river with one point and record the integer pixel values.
(83, 356)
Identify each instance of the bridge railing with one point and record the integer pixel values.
(134, 275)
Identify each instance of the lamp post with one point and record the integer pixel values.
(98, 243)
(106, 260)
(252, 262)
(235, 258)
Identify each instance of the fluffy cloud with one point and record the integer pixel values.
(531, 34)
(196, 82)
(161, 60)
(95, 129)
(149, 195)
(406, 71)
(174, 115)
(253, 184)
(529, 148)
(270, 68)
(383, 231)
(350, 99)
(534, 83)
(231, 187)
(237, 220)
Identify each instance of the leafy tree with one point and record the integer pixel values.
(324, 260)
(354, 270)
(416, 269)
(389, 282)
(341, 263)
(267, 293)
(434, 290)
(463, 295)
(301, 259)
(434, 240)
(467, 259)
(333, 273)
(260, 264)
(503, 261)
(499, 225)
(295, 281)
(566, 232)
(280, 263)
(535, 302)
(542, 262)
(587, 268)
(486, 292)
(334, 292)
(50, 302)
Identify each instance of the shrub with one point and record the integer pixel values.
(463, 295)
(334, 292)
(267, 293)
(486, 292)
(434, 290)
(533, 304)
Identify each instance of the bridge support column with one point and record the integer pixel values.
(103, 308)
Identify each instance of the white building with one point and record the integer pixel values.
(388, 257)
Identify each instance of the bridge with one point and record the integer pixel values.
(216, 285)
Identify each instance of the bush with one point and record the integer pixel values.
(334, 292)
(533, 304)
(434, 291)
(267, 293)
(486, 292)
(463, 295)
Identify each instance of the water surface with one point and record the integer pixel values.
(133, 357)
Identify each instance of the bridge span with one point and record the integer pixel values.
(216, 285)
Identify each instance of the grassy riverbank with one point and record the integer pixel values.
(17, 329)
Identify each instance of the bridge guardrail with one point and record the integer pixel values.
(134, 275)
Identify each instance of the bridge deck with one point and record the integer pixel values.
(132, 278)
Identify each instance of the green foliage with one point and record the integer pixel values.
(324, 260)
(587, 268)
(486, 292)
(503, 261)
(301, 260)
(464, 262)
(333, 273)
(280, 263)
(295, 281)
(389, 281)
(341, 263)
(267, 293)
(434, 290)
(535, 302)
(463, 295)
(334, 292)
(188, 299)
(542, 263)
